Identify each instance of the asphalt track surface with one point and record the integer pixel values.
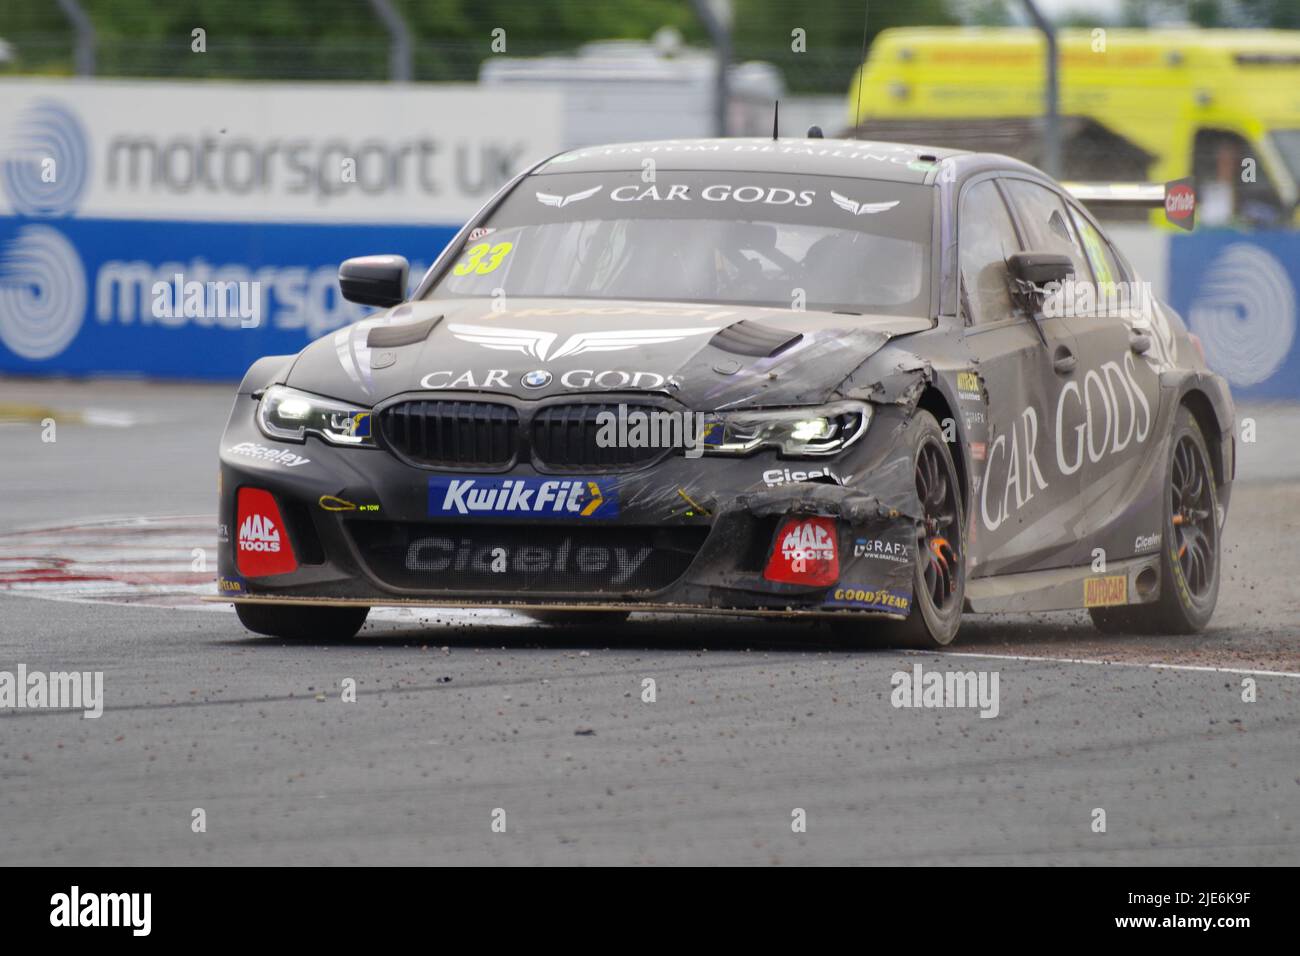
(461, 714)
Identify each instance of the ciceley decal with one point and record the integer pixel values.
(1113, 418)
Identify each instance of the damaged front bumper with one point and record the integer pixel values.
(755, 534)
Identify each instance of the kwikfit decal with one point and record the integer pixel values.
(567, 498)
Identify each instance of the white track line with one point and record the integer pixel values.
(1080, 660)
(174, 534)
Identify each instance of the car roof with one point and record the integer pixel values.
(864, 159)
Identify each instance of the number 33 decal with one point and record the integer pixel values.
(483, 258)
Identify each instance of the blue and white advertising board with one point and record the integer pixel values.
(109, 188)
(1237, 292)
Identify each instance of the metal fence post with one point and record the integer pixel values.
(85, 31)
(399, 53)
(716, 17)
(1052, 132)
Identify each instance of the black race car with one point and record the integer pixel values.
(798, 377)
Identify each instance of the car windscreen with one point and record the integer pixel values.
(783, 241)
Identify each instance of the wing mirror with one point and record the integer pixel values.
(374, 280)
(1031, 273)
(1040, 268)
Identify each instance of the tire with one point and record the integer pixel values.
(578, 618)
(1189, 545)
(302, 622)
(939, 575)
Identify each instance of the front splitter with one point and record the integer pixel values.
(586, 606)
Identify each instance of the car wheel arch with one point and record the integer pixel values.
(268, 370)
(936, 403)
(1202, 409)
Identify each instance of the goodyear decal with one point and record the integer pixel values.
(1105, 591)
(573, 499)
(881, 599)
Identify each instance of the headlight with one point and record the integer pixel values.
(794, 432)
(288, 414)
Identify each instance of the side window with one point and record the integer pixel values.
(985, 238)
(1047, 228)
(1105, 266)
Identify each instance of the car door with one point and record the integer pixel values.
(1122, 350)
(1023, 512)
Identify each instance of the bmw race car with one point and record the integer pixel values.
(880, 383)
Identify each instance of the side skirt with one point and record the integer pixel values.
(1132, 581)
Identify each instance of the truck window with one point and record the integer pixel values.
(1222, 196)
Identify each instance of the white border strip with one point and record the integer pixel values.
(1080, 660)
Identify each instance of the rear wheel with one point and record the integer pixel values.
(1189, 546)
(302, 622)
(939, 578)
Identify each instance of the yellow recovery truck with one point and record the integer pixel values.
(1220, 106)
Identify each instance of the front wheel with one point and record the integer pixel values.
(939, 577)
(302, 622)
